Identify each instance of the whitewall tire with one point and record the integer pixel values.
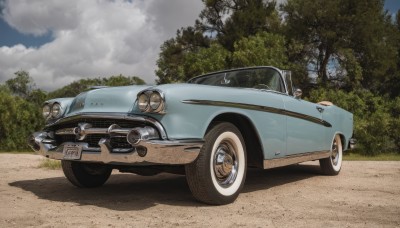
(333, 164)
(218, 174)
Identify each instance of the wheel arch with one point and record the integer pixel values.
(255, 156)
(342, 139)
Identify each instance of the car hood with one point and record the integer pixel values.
(112, 99)
(123, 99)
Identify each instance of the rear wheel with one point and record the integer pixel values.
(333, 164)
(87, 175)
(218, 174)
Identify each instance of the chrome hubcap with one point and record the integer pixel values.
(225, 164)
(335, 153)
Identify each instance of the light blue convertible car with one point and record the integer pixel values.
(211, 128)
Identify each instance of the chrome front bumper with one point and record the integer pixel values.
(166, 152)
(147, 138)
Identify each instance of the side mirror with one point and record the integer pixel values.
(297, 94)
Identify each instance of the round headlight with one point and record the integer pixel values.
(143, 102)
(46, 111)
(56, 110)
(155, 101)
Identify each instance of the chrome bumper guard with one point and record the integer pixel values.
(146, 149)
(352, 144)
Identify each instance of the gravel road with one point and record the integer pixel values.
(364, 194)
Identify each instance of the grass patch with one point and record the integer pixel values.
(379, 157)
(50, 164)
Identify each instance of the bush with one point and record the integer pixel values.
(395, 122)
(18, 119)
(375, 125)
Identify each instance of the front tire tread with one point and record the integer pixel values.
(78, 175)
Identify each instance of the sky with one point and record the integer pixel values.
(59, 42)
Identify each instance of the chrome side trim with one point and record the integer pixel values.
(294, 159)
(119, 116)
(259, 108)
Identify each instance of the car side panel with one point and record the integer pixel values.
(186, 120)
(342, 123)
(304, 135)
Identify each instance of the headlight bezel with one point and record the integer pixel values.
(155, 102)
(143, 102)
(46, 116)
(52, 110)
(56, 106)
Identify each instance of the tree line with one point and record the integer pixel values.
(345, 51)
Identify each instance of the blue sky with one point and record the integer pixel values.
(11, 37)
(392, 5)
(58, 42)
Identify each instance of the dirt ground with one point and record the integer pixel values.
(365, 194)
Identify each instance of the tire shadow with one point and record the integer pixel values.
(259, 179)
(129, 192)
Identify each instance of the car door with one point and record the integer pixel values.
(305, 128)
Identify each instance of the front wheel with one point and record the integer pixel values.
(87, 175)
(218, 174)
(332, 165)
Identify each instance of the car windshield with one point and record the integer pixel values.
(258, 78)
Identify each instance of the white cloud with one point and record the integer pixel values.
(39, 17)
(92, 38)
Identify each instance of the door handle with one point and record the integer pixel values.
(320, 109)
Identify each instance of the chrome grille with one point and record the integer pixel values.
(99, 123)
(93, 140)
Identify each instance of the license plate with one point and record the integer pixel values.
(72, 152)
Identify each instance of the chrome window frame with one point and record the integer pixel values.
(286, 92)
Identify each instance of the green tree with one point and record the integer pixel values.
(340, 38)
(232, 20)
(205, 60)
(263, 49)
(375, 41)
(221, 21)
(121, 80)
(398, 20)
(395, 122)
(173, 53)
(22, 85)
(37, 96)
(392, 84)
(18, 119)
(372, 117)
(74, 88)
